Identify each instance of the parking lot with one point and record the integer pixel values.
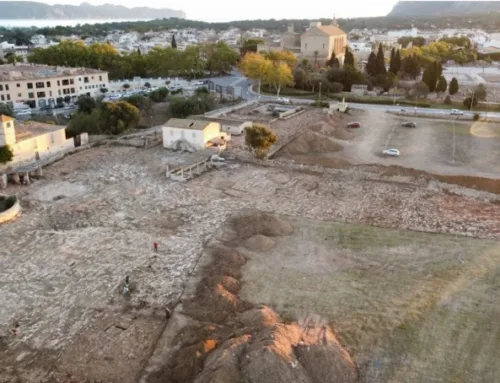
(438, 146)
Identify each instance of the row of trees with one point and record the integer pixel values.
(215, 58)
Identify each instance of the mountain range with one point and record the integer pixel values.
(443, 8)
(34, 10)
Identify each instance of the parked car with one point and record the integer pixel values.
(409, 124)
(23, 112)
(391, 152)
(284, 100)
(354, 125)
(456, 112)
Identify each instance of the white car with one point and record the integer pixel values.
(284, 100)
(456, 112)
(23, 112)
(391, 152)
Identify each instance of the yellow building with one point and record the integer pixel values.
(41, 85)
(319, 41)
(32, 141)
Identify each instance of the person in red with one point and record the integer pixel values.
(155, 247)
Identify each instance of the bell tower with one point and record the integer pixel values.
(7, 131)
(334, 21)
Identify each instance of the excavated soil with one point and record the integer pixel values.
(310, 142)
(235, 342)
(259, 243)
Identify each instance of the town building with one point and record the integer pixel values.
(192, 135)
(42, 85)
(32, 141)
(320, 41)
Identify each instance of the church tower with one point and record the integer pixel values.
(7, 131)
(334, 22)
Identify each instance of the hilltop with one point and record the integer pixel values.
(443, 8)
(35, 10)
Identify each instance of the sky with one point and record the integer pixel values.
(227, 10)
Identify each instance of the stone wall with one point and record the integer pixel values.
(10, 213)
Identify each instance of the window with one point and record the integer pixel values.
(30, 85)
(80, 88)
(59, 92)
(8, 97)
(58, 83)
(19, 95)
(100, 78)
(2, 97)
(40, 94)
(85, 80)
(39, 85)
(71, 81)
(65, 82)
(18, 85)
(50, 93)
(31, 95)
(6, 87)
(1, 87)
(92, 77)
(8, 124)
(80, 79)
(48, 84)
(72, 90)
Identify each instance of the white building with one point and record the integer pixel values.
(37, 40)
(413, 32)
(192, 135)
(33, 141)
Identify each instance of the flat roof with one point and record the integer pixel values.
(30, 129)
(182, 123)
(12, 72)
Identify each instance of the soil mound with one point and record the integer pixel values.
(259, 317)
(311, 142)
(259, 242)
(278, 353)
(264, 224)
(330, 128)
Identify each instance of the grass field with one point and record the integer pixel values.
(410, 306)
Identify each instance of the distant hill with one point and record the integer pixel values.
(443, 8)
(34, 10)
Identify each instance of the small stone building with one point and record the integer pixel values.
(191, 135)
(319, 41)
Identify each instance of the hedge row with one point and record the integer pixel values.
(382, 101)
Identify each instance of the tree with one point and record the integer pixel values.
(333, 62)
(420, 90)
(397, 62)
(197, 104)
(380, 61)
(6, 154)
(86, 104)
(371, 66)
(141, 102)
(103, 90)
(126, 86)
(6, 110)
(159, 95)
(439, 70)
(255, 66)
(411, 66)
(279, 75)
(118, 117)
(392, 61)
(418, 41)
(67, 99)
(259, 138)
(470, 102)
(348, 58)
(316, 54)
(250, 45)
(480, 92)
(453, 86)
(173, 43)
(441, 85)
(447, 100)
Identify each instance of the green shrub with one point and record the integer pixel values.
(6, 154)
(476, 117)
(447, 100)
(320, 104)
(276, 113)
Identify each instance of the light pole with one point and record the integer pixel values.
(472, 100)
(320, 91)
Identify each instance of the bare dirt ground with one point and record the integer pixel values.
(93, 217)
